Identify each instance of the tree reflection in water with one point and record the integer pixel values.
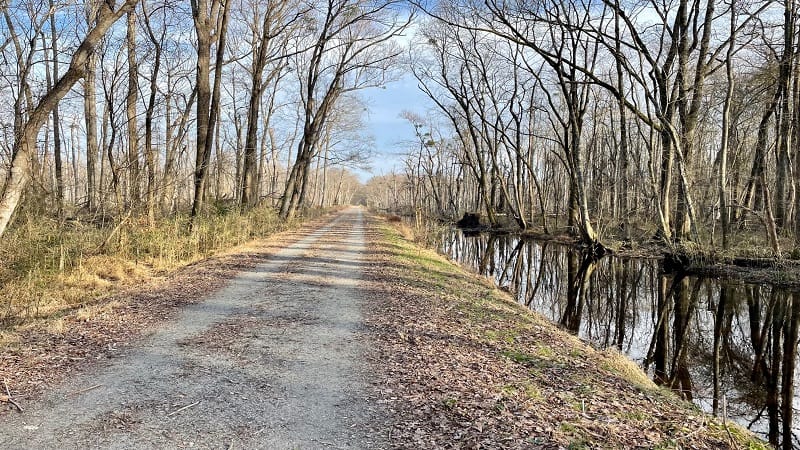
(728, 346)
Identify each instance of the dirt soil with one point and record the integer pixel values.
(272, 360)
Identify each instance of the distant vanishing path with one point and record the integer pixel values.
(274, 360)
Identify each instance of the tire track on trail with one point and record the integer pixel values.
(273, 360)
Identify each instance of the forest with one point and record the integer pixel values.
(153, 108)
(617, 121)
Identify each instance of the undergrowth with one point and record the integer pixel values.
(47, 267)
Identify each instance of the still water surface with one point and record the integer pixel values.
(728, 346)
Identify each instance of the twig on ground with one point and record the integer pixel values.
(725, 420)
(184, 408)
(693, 433)
(91, 388)
(8, 399)
(114, 231)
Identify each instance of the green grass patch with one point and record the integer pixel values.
(519, 357)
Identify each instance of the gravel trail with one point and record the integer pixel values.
(274, 360)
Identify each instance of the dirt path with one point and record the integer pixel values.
(274, 360)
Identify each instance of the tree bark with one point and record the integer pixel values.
(130, 110)
(206, 21)
(90, 115)
(59, 165)
(150, 150)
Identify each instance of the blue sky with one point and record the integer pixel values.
(392, 132)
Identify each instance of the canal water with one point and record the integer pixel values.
(728, 346)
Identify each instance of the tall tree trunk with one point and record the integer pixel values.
(207, 100)
(722, 187)
(90, 116)
(59, 166)
(151, 153)
(782, 167)
(73, 139)
(130, 110)
(249, 186)
(623, 127)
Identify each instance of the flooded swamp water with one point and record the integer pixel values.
(728, 346)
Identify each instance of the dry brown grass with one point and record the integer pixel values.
(47, 268)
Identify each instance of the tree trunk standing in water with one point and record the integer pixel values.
(579, 273)
(795, 179)
(756, 185)
(621, 273)
(790, 338)
(772, 381)
(576, 94)
(657, 353)
(722, 321)
(134, 196)
(18, 175)
(470, 142)
(782, 167)
(210, 23)
(685, 303)
(623, 127)
(722, 186)
(562, 49)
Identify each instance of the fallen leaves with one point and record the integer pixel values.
(461, 367)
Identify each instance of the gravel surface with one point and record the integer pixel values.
(273, 360)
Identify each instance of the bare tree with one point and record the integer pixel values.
(25, 144)
(90, 112)
(211, 25)
(130, 110)
(351, 50)
(269, 38)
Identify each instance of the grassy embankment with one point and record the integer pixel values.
(466, 365)
(48, 269)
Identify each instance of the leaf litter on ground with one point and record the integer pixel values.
(462, 365)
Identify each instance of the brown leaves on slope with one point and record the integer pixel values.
(462, 366)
